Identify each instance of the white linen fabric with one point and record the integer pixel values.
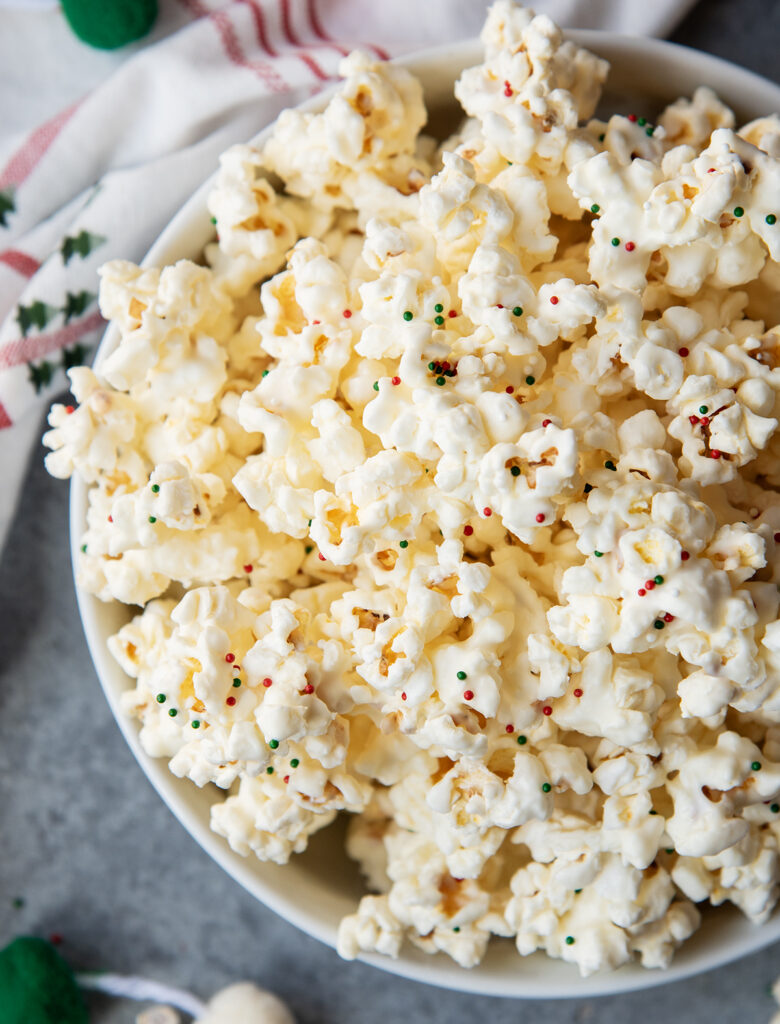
(102, 177)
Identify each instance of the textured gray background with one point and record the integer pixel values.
(98, 858)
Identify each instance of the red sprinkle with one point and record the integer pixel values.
(510, 728)
(540, 517)
(347, 314)
(499, 306)
(55, 939)
(403, 696)
(509, 389)
(468, 695)
(684, 352)
(110, 519)
(487, 512)
(267, 682)
(553, 300)
(632, 117)
(546, 710)
(286, 778)
(396, 381)
(641, 591)
(630, 246)
(445, 365)
(711, 170)
(777, 538)
(230, 658)
(231, 701)
(546, 423)
(315, 321)
(705, 421)
(685, 555)
(308, 688)
(247, 568)
(321, 556)
(468, 530)
(507, 89)
(69, 409)
(578, 692)
(668, 617)
(693, 420)
(649, 584)
(715, 454)
(452, 313)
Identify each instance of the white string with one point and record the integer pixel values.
(142, 988)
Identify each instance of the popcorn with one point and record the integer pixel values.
(447, 493)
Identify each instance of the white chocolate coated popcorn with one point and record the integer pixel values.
(447, 491)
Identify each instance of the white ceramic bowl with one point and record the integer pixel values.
(320, 886)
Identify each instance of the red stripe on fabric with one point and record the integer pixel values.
(5, 419)
(307, 58)
(22, 350)
(314, 67)
(259, 19)
(29, 154)
(382, 54)
(230, 44)
(20, 262)
(315, 22)
(287, 24)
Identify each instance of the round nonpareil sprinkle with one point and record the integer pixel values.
(155, 488)
(468, 695)
(522, 740)
(408, 315)
(546, 787)
(273, 744)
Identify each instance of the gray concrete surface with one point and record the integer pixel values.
(98, 859)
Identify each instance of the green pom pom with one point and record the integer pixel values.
(37, 986)
(108, 24)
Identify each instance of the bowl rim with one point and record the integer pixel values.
(754, 91)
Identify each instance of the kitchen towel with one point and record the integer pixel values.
(100, 178)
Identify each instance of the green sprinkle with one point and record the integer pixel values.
(642, 121)
(403, 543)
(173, 712)
(577, 891)
(438, 308)
(658, 580)
(160, 698)
(522, 740)
(152, 519)
(236, 682)
(588, 488)
(449, 373)
(616, 241)
(649, 131)
(703, 409)
(669, 849)
(309, 548)
(18, 903)
(273, 744)
(376, 385)
(155, 488)
(756, 766)
(595, 208)
(294, 763)
(456, 928)
(770, 218)
(83, 549)
(517, 311)
(546, 787)
(408, 316)
(653, 812)
(658, 624)
(310, 522)
(438, 320)
(461, 675)
(441, 381)
(266, 372)
(213, 220)
(530, 380)
(738, 211)
(602, 137)
(609, 464)
(195, 724)
(569, 940)
(270, 769)
(431, 366)
(599, 554)
(515, 471)
(775, 808)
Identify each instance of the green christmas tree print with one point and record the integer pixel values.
(76, 355)
(7, 204)
(81, 245)
(36, 315)
(76, 304)
(40, 374)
